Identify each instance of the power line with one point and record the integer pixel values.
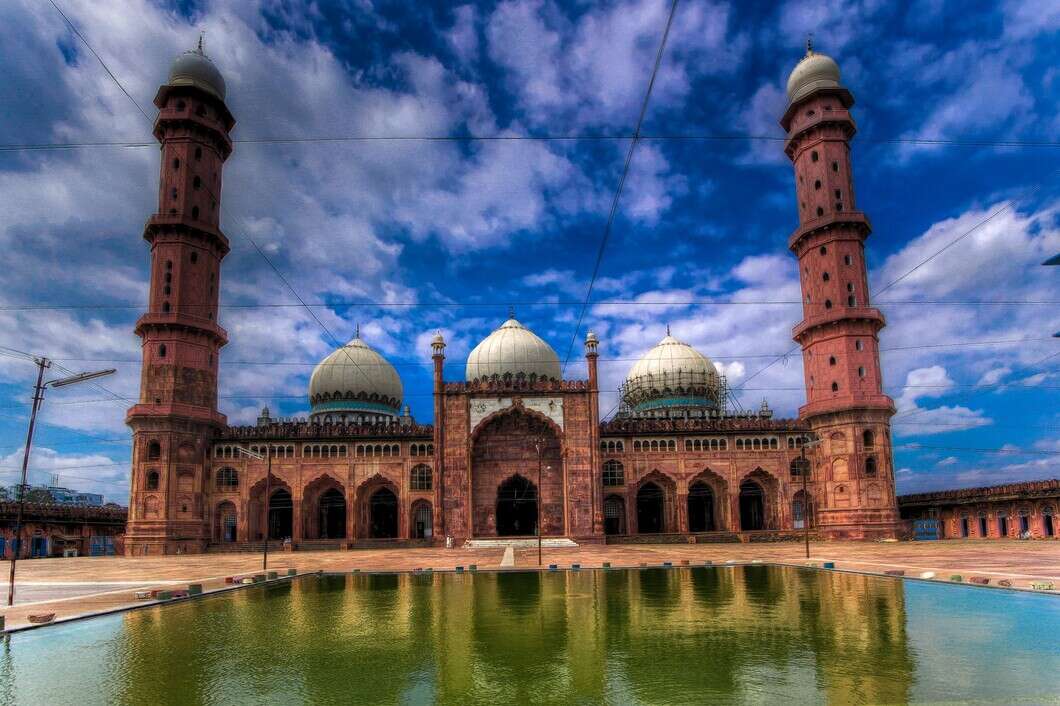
(540, 303)
(930, 257)
(583, 137)
(216, 198)
(458, 363)
(100, 60)
(622, 181)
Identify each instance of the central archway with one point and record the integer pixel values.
(650, 509)
(383, 514)
(516, 507)
(333, 514)
(700, 508)
(506, 446)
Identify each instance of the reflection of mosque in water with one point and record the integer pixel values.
(716, 634)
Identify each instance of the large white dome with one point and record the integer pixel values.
(355, 383)
(672, 374)
(513, 349)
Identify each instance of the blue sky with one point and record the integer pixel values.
(460, 230)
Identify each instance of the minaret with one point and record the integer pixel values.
(845, 403)
(438, 356)
(177, 411)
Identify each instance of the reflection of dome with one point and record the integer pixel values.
(512, 349)
(192, 68)
(354, 383)
(672, 375)
(813, 72)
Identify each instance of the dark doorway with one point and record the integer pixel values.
(964, 526)
(982, 527)
(332, 514)
(1047, 522)
(752, 506)
(422, 525)
(614, 515)
(383, 514)
(516, 507)
(281, 515)
(700, 508)
(226, 522)
(650, 507)
(1002, 525)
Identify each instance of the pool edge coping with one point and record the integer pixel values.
(429, 571)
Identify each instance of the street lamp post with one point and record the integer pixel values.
(805, 493)
(537, 447)
(38, 399)
(267, 458)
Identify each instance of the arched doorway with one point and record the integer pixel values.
(332, 514)
(700, 508)
(383, 514)
(516, 507)
(422, 520)
(650, 508)
(752, 506)
(281, 514)
(614, 515)
(524, 443)
(801, 511)
(225, 530)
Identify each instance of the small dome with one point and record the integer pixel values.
(672, 374)
(591, 338)
(355, 379)
(193, 68)
(813, 72)
(513, 349)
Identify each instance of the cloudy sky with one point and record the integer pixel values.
(958, 110)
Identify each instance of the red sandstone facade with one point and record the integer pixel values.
(504, 448)
(1027, 510)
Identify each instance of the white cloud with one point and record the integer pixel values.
(91, 472)
(994, 375)
(948, 461)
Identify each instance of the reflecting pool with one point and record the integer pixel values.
(748, 634)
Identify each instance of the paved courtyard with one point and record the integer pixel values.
(74, 586)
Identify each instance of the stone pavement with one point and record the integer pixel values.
(75, 586)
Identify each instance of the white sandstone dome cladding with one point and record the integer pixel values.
(354, 383)
(672, 374)
(513, 350)
(813, 72)
(193, 68)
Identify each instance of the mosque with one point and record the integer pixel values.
(514, 448)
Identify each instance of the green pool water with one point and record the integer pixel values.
(754, 634)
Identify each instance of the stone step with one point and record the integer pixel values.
(519, 543)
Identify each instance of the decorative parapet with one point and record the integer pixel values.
(992, 493)
(717, 424)
(310, 430)
(516, 383)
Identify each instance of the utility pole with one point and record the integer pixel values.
(38, 398)
(267, 457)
(537, 446)
(804, 471)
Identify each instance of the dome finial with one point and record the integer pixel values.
(202, 36)
(357, 330)
(809, 43)
(511, 311)
(667, 329)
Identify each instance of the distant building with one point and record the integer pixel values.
(55, 494)
(51, 529)
(1027, 509)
